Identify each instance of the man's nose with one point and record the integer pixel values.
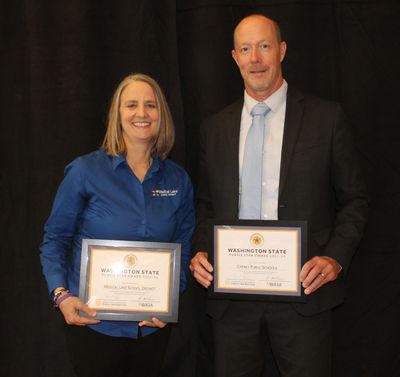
(254, 54)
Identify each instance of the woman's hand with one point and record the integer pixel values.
(70, 309)
(153, 323)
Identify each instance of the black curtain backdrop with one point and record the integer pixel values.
(60, 62)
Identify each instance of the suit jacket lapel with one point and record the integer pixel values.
(293, 120)
(232, 128)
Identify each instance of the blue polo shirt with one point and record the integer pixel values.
(101, 198)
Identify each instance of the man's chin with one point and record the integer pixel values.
(259, 87)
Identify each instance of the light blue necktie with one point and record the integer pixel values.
(250, 198)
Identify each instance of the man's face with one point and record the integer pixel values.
(259, 55)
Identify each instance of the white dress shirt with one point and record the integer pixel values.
(273, 136)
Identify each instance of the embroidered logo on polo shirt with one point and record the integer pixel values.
(164, 192)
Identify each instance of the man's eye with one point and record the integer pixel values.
(264, 46)
(244, 50)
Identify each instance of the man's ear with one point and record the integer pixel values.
(283, 48)
(234, 56)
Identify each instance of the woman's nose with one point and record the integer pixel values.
(141, 111)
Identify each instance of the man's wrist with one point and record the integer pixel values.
(338, 265)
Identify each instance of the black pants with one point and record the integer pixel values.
(301, 346)
(97, 355)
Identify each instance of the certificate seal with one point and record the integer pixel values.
(256, 239)
(130, 260)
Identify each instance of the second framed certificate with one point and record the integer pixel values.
(258, 260)
(130, 281)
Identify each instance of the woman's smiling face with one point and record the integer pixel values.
(139, 113)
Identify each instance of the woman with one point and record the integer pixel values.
(109, 194)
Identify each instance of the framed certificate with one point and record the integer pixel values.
(130, 281)
(258, 260)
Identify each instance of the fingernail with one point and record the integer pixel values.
(307, 291)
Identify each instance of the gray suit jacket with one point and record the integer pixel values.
(320, 181)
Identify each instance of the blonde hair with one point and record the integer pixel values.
(114, 143)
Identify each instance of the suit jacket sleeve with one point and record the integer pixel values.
(204, 207)
(350, 195)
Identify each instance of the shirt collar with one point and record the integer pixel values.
(117, 160)
(273, 101)
(120, 159)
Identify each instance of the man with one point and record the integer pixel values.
(309, 172)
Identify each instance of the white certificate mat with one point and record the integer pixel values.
(126, 280)
(258, 262)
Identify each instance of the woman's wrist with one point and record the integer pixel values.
(60, 294)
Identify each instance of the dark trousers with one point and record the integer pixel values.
(95, 355)
(301, 346)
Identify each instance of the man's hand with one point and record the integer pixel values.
(201, 269)
(70, 309)
(317, 272)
